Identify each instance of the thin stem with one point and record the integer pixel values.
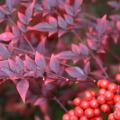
(60, 104)
(100, 65)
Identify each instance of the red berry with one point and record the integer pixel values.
(105, 108)
(88, 95)
(77, 101)
(84, 104)
(98, 118)
(101, 99)
(71, 112)
(111, 116)
(117, 114)
(93, 93)
(78, 111)
(109, 95)
(102, 91)
(94, 103)
(96, 112)
(65, 117)
(117, 77)
(116, 98)
(83, 118)
(103, 83)
(112, 87)
(73, 118)
(89, 112)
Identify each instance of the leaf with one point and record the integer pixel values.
(69, 10)
(69, 19)
(76, 72)
(22, 88)
(19, 64)
(75, 49)
(29, 10)
(29, 63)
(40, 61)
(83, 49)
(43, 26)
(6, 36)
(22, 18)
(52, 21)
(54, 64)
(66, 55)
(102, 25)
(114, 4)
(9, 4)
(87, 68)
(77, 4)
(62, 23)
(4, 53)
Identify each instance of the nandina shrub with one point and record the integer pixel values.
(51, 51)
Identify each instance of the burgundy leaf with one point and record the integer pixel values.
(43, 26)
(29, 10)
(83, 49)
(75, 48)
(68, 19)
(62, 23)
(22, 18)
(54, 64)
(77, 4)
(40, 61)
(29, 63)
(76, 72)
(66, 55)
(22, 88)
(52, 21)
(6, 36)
(4, 53)
(87, 68)
(69, 10)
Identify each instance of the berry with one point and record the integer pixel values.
(103, 83)
(71, 112)
(65, 117)
(73, 118)
(96, 112)
(94, 103)
(117, 77)
(84, 104)
(77, 101)
(105, 108)
(78, 111)
(117, 114)
(111, 116)
(116, 98)
(109, 95)
(88, 96)
(83, 118)
(101, 99)
(102, 91)
(112, 87)
(89, 112)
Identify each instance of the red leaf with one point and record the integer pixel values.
(76, 72)
(22, 88)
(66, 55)
(22, 18)
(4, 53)
(54, 64)
(43, 26)
(29, 10)
(29, 63)
(61, 22)
(40, 61)
(6, 36)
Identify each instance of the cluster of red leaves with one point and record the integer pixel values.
(93, 104)
(33, 54)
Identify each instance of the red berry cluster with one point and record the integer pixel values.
(90, 107)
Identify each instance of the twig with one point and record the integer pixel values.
(60, 104)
